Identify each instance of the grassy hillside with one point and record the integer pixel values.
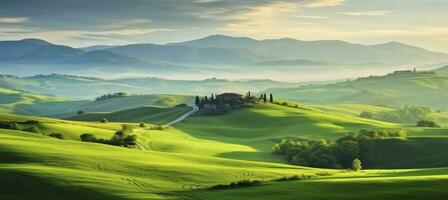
(24, 103)
(181, 162)
(356, 109)
(398, 89)
(443, 70)
(19, 102)
(79, 87)
(148, 114)
(374, 184)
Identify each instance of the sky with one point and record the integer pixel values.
(81, 23)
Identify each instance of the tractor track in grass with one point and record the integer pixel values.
(246, 174)
(145, 187)
(192, 186)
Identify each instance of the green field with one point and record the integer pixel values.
(147, 114)
(182, 161)
(25, 103)
(396, 90)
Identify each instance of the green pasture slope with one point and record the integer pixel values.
(20, 102)
(147, 114)
(25, 103)
(180, 162)
(397, 90)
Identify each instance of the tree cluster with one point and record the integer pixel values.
(27, 126)
(334, 154)
(407, 114)
(109, 96)
(427, 123)
(120, 138)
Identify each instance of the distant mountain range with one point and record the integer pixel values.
(217, 49)
(215, 52)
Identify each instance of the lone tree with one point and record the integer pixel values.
(271, 98)
(104, 120)
(197, 101)
(357, 165)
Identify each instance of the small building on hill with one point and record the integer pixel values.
(229, 97)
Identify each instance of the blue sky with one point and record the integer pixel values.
(85, 22)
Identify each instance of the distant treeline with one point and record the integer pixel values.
(407, 114)
(109, 96)
(27, 126)
(334, 154)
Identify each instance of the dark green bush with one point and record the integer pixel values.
(32, 129)
(427, 123)
(239, 184)
(56, 135)
(87, 137)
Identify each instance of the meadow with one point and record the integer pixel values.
(184, 160)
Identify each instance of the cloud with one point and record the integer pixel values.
(206, 1)
(324, 3)
(13, 20)
(311, 17)
(260, 18)
(367, 13)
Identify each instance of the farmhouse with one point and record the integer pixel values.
(229, 97)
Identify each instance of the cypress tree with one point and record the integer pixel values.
(271, 98)
(197, 101)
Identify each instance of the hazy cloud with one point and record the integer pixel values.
(367, 13)
(311, 17)
(324, 3)
(12, 20)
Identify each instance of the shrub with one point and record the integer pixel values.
(427, 123)
(80, 112)
(118, 138)
(32, 129)
(103, 120)
(356, 166)
(130, 140)
(294, 178)
(9, 125)
(142, 124)
(57, 135)
(87, 137)
(242, 183)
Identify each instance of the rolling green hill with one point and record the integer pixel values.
(81, 87)
(181, 162)
(147, 114)
(25, 103)
(19, 102)
(443, 70)
(397, 89)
